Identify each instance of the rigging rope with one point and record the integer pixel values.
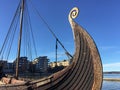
(67, 53)
(2, 51)
(29, 32)
(12, 30)
(34, 44)
(12, 38)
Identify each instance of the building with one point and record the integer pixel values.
(41, 64)
(7, 66)
(3, 65)
(59, 63)
(23, 64)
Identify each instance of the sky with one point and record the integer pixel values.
(101, 18)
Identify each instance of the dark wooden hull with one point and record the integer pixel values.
(84, 73)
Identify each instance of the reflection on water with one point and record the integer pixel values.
(111, 85)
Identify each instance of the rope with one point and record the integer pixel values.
(2, 51)
(33, 39)
(50, 29)
(11, 33)
(27, 35)
(12, 38)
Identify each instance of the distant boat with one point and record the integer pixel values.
(84, 72)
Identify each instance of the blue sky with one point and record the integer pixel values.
(101, 18)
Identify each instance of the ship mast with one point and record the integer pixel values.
(20, 38)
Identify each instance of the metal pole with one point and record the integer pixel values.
(20, 38)
(56, 51)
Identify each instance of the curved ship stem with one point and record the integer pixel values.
(84, 73)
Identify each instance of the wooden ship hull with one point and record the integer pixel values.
(84, 73)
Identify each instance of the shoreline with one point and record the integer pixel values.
(111, 79)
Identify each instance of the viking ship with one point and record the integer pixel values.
(84, 72)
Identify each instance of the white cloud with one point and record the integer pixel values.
(111, 67)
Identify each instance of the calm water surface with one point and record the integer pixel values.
(111, 85)
(111, 75)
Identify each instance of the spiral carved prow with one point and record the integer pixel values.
(73, 14)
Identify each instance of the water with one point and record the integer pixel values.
(111, 85)
(111, 75)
